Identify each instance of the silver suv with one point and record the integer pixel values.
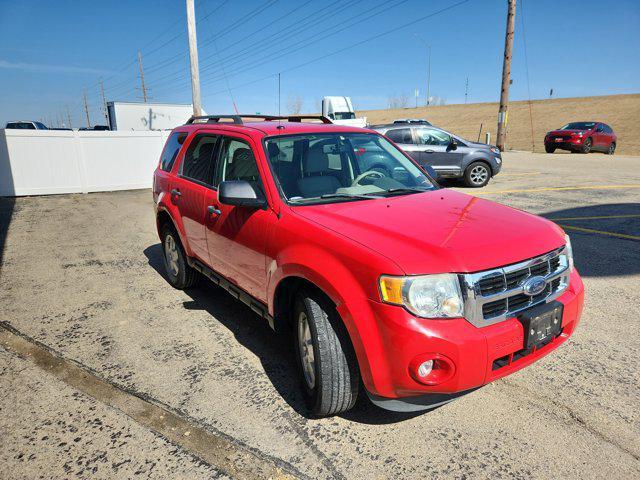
(449, 155)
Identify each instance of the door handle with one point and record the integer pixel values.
(213, 210)
(175, 193)
(429, 151)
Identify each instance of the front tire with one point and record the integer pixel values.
(549, 149)
(328, 367)
(477, 175)
(179, 274)
(586, 146)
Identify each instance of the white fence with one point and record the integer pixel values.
(41, 162)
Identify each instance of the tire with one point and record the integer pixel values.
(549, 149)
(477, 175)
(612, 149)
(326, 361)
(586, 146)
(179, 274)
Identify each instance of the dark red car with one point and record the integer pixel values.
(582, 137)
(387, 283)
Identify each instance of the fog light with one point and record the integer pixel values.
(425, 368)
(431, 369)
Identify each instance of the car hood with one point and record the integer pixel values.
(439, 231)
(477, 145)
(566, 132)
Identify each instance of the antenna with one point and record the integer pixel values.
(278, 94)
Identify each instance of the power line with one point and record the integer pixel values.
(357, 44)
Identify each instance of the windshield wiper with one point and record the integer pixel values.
(366, 196)
(406, 190)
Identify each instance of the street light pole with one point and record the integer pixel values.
(193, 56)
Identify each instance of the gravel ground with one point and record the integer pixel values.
(82, 275)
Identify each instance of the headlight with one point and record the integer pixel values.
(495, 150)
(427, 296)
(569, 250)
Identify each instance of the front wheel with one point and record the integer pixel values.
(586, 146)
(477, 175)
(612, 148)
(549, 149)
(326, 360)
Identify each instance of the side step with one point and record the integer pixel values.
(256, 305)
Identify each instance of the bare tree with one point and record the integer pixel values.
(398, 101)
(294, 104)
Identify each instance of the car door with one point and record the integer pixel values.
(237, 236)
(599, 137)
(403, 137)
(435, 151)
(190, 187)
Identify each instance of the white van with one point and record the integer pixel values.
(340, 111)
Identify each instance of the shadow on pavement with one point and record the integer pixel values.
(7, 204)
(274, 350)
(601, 254)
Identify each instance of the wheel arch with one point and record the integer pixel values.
(163, 217)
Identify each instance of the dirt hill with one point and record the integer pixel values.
(621, 112)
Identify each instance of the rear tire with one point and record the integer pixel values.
(586, 146)
(179, 274)
(477, 175)
(328, 367)
(549, 149)
(612, 148)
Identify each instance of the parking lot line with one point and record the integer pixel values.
(591, 230)
(600, 217)
(523, 174)
(553, 189)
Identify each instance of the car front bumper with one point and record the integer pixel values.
(478, 355)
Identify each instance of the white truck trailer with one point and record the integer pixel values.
(147, 116)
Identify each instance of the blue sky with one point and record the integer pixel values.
(52, 51)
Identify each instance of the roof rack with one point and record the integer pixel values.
(237, 119)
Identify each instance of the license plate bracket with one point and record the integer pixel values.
(541, 323)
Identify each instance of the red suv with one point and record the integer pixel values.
(582, 137)
(389, 283)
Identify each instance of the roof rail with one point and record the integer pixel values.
(237, 119)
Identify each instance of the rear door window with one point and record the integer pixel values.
(171, 150)
(400, 135)
(199, 160)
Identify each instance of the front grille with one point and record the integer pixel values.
(496, 294)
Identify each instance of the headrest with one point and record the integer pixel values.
(242, 155)
(274, 151)
(316, 161)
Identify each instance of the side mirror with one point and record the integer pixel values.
(453, 145)
(239, 193)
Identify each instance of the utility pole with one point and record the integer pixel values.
(506, 76)
(144, 90)
(193, 56)
(86, 108)
(104, 102)
(68, 116)
(466, 90)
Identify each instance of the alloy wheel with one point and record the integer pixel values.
(171, 255)
(305, 349)
(479, 175)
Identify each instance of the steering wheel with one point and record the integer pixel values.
(369, 173)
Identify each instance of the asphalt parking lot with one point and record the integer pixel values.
(108, 372)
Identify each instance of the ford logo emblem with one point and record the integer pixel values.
(534, 286)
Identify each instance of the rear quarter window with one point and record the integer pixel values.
(171, 150)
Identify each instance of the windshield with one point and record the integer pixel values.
(336, 167)
(579, 126)
(343, 115)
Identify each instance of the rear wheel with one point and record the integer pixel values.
(586, 146)
(179, 274)
(327, 362)
(612, 148)
(549, 149)
(477, 175)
